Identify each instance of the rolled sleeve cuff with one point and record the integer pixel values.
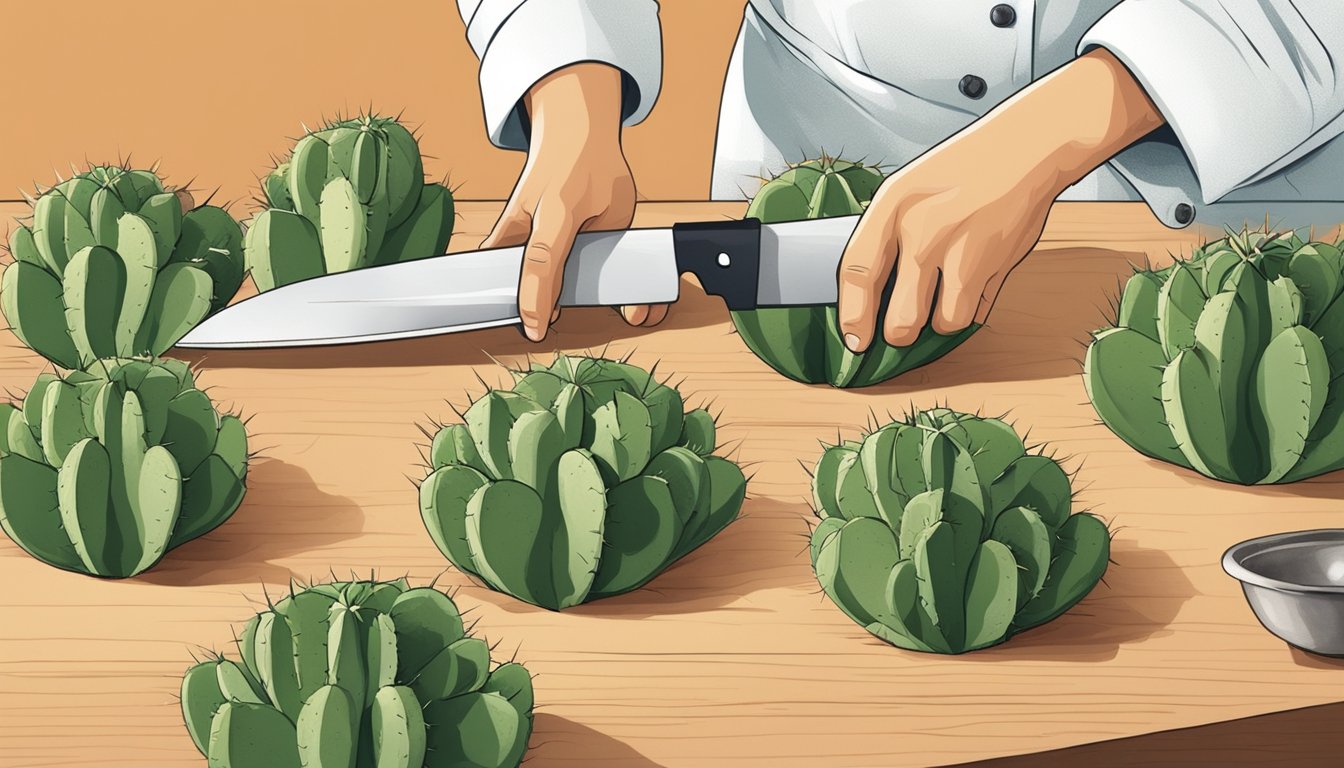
(1233, 117)
(542, 36)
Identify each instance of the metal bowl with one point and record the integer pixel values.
(1295, 584)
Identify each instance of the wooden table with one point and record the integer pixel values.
(732, 657)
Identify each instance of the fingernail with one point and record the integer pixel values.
(853, 343)
(534, 333)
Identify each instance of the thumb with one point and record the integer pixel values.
(543, 272)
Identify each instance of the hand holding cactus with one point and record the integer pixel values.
(804, 343)
(953, 224)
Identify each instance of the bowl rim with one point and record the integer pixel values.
(1233, 557)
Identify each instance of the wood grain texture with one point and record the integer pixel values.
(732, 657)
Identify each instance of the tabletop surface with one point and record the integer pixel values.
(732, 656)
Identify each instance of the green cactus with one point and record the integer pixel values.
(805, 343)
(1231, 362)
(351, 195)
(360, 674)
(941, 533)
(113, 267)
(584, 481)
(105, 470)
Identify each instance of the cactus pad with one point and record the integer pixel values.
(585, 480)
(113, 267)
(804, 343)
(105, 470)
(350, 195)
(359, 674)
(941, 533)
(1230, 362)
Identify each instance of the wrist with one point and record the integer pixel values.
(577, 106)
(1098, 110)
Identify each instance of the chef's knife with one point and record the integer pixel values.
(748, 264)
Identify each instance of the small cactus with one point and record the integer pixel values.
(805, 343)
(351, 195)
(112, 266)
(1231, 362)
(941, 533)
(105, 470)
(360, 674)
(584, 481)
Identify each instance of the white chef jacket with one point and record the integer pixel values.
(1252, 91)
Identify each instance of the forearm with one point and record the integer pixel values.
(581, 102)
(522, 42)
(1068, 123)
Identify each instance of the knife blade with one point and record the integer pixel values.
(747, 264)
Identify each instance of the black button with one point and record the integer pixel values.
(972, 87)
(1185, 213)
(1002, 15)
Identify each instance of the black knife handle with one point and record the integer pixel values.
(724, 255)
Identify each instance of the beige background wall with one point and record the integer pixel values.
(212, 88)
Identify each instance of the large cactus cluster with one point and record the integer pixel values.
(805, 343)
(105, 470)
(943, 533)
(361, 674)
(113, 266)
(1231, 362)
(584, 481)
(351, 195)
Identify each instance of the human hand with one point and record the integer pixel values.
(954, 223)
(576, 179)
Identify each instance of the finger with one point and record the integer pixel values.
(555, 315)
(635, 315)
(911, 301)
(961, 290)
(988, 298)
(657, 314)
(512, 228)
(868, 260)
(544, 271)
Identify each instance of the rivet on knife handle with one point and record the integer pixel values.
(725, 256)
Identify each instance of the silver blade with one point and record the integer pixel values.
(800, 259)
(444, 294)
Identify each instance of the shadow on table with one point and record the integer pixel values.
(1040, 326)
(765, 548)
(1314, 660)
(578, 328)
(557, 739)
(1140, 595)
(282, 514)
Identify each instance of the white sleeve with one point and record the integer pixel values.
(1247, 87)
(519, 42)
